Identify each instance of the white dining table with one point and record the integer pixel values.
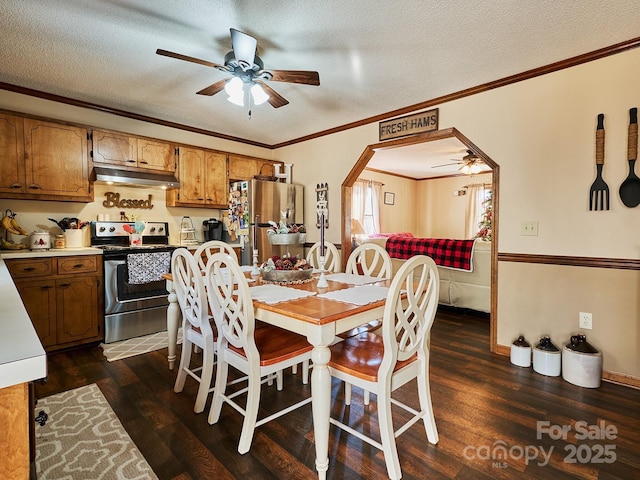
(319, 319)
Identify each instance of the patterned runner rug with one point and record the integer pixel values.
(137, 346)
(83, 439)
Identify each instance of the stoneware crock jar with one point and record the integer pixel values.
(40, 240)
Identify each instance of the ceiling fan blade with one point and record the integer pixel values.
(446, 164)
(244, 48)
(275, 99)
(291, 76)
(186, 58)
(213, 88)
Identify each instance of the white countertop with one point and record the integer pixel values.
(54, 252)
(22, 356)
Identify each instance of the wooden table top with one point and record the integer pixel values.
(313, 309)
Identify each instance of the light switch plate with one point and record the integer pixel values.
(529, 228)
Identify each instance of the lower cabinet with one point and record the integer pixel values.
(66, 305)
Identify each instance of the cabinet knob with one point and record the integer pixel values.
(78, 265)
(131, 160)
(64, 285)
(144, 162)
(28, 269)
(15, 185)
(35, 186)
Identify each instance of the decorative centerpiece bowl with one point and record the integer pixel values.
(283, 238)
(286, 270)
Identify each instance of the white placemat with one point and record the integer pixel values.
(276, 293)
(225, 275)
(360, 295)
(352, 278)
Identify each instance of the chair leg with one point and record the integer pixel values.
(387, 436)
(305, 372)
(279, 380)
(294, 369)
(206, 375)
(250, 414)
(220, 388)
(424, 393)
(347, 393)
(367, 396)
(185, 360)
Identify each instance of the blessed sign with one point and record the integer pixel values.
(112, 199)
(409, 125)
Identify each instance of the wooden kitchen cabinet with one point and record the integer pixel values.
(12, 168)
(63, 297)
(43, 160)
(245, 168)
(122, 150)
(203, 179)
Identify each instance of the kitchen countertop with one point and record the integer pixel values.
(22, 356)
(54, 252)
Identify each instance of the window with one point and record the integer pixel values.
(365, 204)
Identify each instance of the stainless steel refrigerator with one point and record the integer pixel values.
(273, 201)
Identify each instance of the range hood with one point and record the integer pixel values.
(110, 176)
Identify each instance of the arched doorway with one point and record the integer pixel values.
(368, 154)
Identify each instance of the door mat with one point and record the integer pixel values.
(137, 346)
(82, 438)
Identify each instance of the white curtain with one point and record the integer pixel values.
(365, 204)
(376, 190)
(475, 209)
(357, 200)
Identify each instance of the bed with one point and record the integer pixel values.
(464, 266)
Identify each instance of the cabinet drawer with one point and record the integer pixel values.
(79, 264)
(29, 267)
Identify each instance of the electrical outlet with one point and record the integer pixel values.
(529, 228)
(585, 320)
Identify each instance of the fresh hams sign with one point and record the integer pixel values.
(410, 125)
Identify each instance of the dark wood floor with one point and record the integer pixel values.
(481, 403)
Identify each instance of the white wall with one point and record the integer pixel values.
(541, 134)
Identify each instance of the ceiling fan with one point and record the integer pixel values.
(247, 69)
(471, 163)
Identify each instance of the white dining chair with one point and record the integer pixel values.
(369, 259)
(198, 328)
(383, 363)
(331, 257)
(373, 260)
(258, 353)
(205, 251)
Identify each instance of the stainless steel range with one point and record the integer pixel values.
(132, 308)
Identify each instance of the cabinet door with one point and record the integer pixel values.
(56, 160)
(39, 299)
(243, 168)
(77, 308)
(12, 172)
(156, 155)
(217, 186)
(114, 148)
(191, 161)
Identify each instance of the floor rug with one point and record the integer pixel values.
(137, 346)
(82, 438)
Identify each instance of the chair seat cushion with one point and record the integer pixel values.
(276, 345)
(361, 356)
(212, 322)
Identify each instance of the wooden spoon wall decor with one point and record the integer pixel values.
(630, 188)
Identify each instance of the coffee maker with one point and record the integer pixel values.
(212, 229)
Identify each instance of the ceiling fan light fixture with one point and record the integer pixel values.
(234, 87)
(259, 95)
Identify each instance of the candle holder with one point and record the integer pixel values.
(322, 281)
(255, 271)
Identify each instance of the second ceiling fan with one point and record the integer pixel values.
(471, 163)
(247, 68)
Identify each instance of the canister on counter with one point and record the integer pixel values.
(59, 241)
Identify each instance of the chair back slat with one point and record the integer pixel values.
(331, 257)
(369, 259)
(205, 251)
(189, 287)
(407, 321)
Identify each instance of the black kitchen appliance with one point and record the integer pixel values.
(211, 229)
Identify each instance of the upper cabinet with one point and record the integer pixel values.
(124, 150)
(242, 167)
(203, 179)
(43, 160)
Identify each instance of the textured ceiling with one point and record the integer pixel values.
(372, 57)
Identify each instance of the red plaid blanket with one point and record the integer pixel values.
(444, 251)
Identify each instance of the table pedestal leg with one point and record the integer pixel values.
(173, 323)
(321, 391)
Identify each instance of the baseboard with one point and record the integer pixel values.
(607, 376)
